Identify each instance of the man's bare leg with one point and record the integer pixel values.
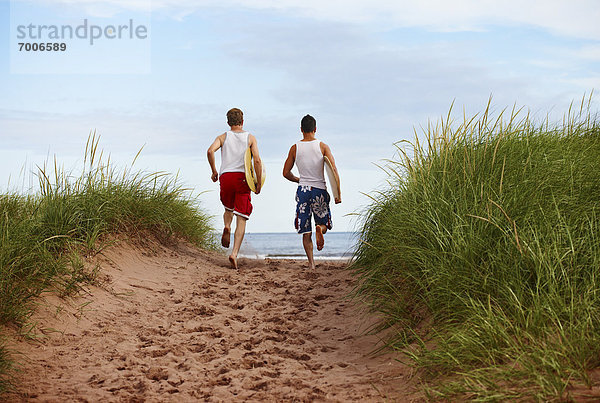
(238, 237)
(320, 231)
(227, 218)
(308, 248)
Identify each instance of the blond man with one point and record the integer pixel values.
(235, 193)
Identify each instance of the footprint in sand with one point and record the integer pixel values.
(270, 332)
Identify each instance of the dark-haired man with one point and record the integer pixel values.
(235, 193)
(312, 198)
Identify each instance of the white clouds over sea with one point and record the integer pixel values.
(370, 72)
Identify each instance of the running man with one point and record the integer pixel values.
(235, 193)
(312, 198)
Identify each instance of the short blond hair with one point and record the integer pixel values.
(235, 117)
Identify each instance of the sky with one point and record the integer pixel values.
(371, 72)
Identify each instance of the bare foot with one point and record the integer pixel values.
(320, 238)
(225, 237)
(233, 262)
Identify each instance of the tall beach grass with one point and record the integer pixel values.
(483, 255)
(44, 234)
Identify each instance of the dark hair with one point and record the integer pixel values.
(308, 124)
(235, 117)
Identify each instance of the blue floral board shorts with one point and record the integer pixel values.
(311, 201)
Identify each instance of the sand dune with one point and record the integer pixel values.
(178, 325)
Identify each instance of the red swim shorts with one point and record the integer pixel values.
(235, 193)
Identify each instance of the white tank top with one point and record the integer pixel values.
(232, 152)
(309, 160)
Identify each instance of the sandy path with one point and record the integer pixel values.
(179, 325)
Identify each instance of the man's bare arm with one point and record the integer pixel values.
(257, 162)
(327, 153)
(210, 154)
(289, 164)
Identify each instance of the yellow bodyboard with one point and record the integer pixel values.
(249, 171)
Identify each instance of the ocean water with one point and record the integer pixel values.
(284, 245)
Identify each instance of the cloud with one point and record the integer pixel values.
(364, 86)
(577, 18)
(169, 128)
(332, 61)
(589, 52)
(369, 71)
